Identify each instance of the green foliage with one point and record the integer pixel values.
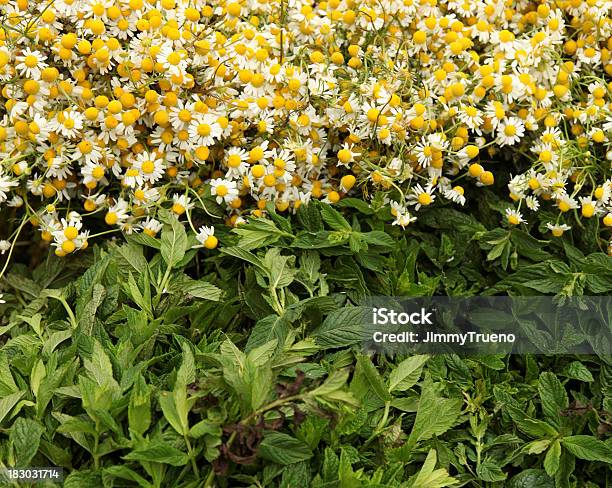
(148, 364)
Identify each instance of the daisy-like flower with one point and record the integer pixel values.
(181, 204)
(88, 151)
(68, 237)
(472, 117)
(132, 177)
(588, 207)
(566, 202)
(174, 62)
(150, 166)
(514, 217)
(236, 160)
(145, 196)
(510, 131)
(224, 190)
(424, 152)
(346, 155)
(151, 226)
(2, 301)
(206, 237)
(204, 130)
(68, 123)
(5, 185)
(557, 229)
(455, 194)
(31, 63)
(420, 196)
(404, 219)
(117, 214)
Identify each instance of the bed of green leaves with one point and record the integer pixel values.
(149, 363)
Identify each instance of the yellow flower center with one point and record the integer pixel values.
(30, 61)
(204, 130)
(424, 198)
(174, 58)
(148, 167)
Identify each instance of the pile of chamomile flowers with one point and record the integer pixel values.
(111, 110)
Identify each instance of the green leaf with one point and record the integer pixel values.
(7, 383)
(378, 238)
(373, 378)
(578, 371)
(186, 374)
(588, 448)
(183, 284)
(531, 478)
(174, 241)
(553, 396)
(126, 473)
(25, 437)
(139, 408)
(283, 449)
(341, 328)
(267, 329)
(258, 232)
(488, 470)
(429, 477)
(309, 217)
(8, 402)
(158, 452)
(447, 413)
(173, 405)
(131, 256)
(553, 458)
(247, 256)
(530, 426)
(279, 268)
(407, 373)
(99, 367)
(333, 218)
(86, 318)
(145, 240)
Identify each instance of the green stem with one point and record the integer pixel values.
(8, 258)
(194, 465)
(71, 317)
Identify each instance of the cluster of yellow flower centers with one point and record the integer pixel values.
(123, 107)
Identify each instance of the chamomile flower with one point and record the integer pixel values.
(472, 117)
(455, 194)
(151, 226)
(557, 229)
(181, 204)
(68, 123)
(150, 167)
(346, 155)
(510, 131)
(224, 190)
(403, 219)
(514, 217)
(117, 213)
(206, 237)
(420, 196)
(204, 130)
(6, 183)
(31, 63)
